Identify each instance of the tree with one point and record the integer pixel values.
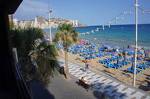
(45, 56)
(67, 35)
(36, 57)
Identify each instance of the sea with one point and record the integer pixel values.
(115, 35)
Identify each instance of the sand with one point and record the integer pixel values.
(118, 74)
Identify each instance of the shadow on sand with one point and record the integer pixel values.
(39, 91)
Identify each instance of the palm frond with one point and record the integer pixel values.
(67, 34)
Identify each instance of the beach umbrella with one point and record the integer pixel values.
(106, 46)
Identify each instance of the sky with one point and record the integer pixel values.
(89, 12)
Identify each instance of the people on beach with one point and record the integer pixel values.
(84, 83)
(87, 66)
(128, 46)
(143, 52)
(82, 79)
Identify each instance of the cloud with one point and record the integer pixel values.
(31, 8)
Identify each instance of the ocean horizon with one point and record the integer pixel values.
(115, 35)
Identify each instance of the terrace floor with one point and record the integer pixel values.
(68, 89)
(60, 88)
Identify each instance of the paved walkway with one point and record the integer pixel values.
(39, 91)
(104, 85)
(61, 88)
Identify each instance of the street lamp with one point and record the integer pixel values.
(136, 39)
(50, 30)
(103, 27)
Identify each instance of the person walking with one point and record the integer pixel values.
(87, 66)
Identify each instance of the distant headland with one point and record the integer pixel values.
(42, 22)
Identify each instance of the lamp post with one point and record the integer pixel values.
(117, 50)
(103, 27)
(136, 39)
(50, 30)
(109, 24)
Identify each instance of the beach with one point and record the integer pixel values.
(118, 74)
(105, 50)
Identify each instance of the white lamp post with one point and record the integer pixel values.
(109, 23)
(103, 27)
(50, 30)
(136, 39)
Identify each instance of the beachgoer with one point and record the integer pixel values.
(143, 52)
(85, 61)
(84, 83)
(128, 46)
(83, 80)
(87, 66)
(117, 60)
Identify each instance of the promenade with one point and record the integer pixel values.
(105, 85)
(62, 88)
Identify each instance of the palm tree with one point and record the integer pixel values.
(67, 35)
(45, 56)
(32, 49)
